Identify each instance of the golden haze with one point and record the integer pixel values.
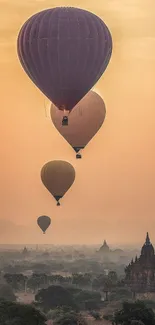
(113, 195)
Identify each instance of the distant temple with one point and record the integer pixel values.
(106, 254)
(104, 248)
(25, 252)
(140, 273)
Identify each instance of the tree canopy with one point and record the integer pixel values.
(137, 322)
(6, 293)
(12, 313)
(55, 296)
(88, 300)
(70, 318)
(134, 311)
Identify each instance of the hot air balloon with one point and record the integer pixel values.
(85, 121)
(64, 51)
(44, 222)
(58, 176)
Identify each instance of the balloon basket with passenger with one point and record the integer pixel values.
(65, 115)
(65, 121)
(77, 150)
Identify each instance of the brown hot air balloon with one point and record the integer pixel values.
(44, 222)
(58, 176)
(85, 120)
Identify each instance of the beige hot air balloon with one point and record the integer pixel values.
(85, 120)
(58, 176)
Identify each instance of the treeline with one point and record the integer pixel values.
(62, 265)
(12, 313)
(101, 282)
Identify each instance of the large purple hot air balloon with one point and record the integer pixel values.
(64, 51)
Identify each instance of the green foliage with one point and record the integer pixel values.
(99, 281)
(109, 317)
(112, 275)
(150, 303)
(37, 280)
(88, 300)
(120, 294)
(70, 318)
(82, 280)
(77, 299)
(95, 314)
(73, 290)
(16, 280)
(12, 313)
(134, 311)
(57, 312)
(55, 296)
(41, 278)
(136, 322)
(6, 293)
(105, 282)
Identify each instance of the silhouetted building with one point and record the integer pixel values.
(140, 273)
(25, 252)
(104, 252)
(104, 248)
(107, 255)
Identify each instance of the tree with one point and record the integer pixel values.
(132, 311)
(55, 296)
(7, 293)
(12, 313)
(98, 282)
(120, 294)
(70, 318)
(150, 303)
(112, 275)
(82, 280)
(136, 322)
(73, 290)
(37, 280)
(88, 300)
(104, 283)
(16, 280)
(13, 268)
(57, 312)
(96, 315)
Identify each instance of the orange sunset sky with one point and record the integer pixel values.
(113, 196)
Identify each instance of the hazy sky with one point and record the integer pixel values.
(113, 195)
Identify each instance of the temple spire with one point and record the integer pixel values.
(147, 242)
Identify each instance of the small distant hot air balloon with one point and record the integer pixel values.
(64, 51)
(44, 222)
(58, 176)
(85, 121)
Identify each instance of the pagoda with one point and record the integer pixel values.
(140, 273)
(104, 248)
(25, 252)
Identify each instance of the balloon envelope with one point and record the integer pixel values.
(85, 120)
(58, 176)
(44, 222)
(64, 51)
